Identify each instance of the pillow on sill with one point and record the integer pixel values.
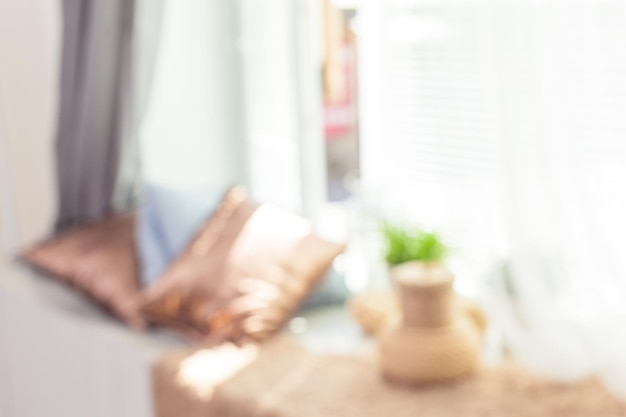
(168, 220)
(243, 275)
(99, 259)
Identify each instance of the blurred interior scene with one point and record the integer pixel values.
(302, 208)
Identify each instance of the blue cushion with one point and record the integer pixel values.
(168, 220)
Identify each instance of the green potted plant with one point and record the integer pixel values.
(416, 266)
(411, 244)
(430, 342)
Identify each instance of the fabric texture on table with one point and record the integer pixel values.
(286, 381)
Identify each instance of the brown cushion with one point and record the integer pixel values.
(99, 259)
(243, 275)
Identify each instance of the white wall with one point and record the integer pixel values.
(29, 46)
(2, 250)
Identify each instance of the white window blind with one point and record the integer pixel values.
(432, 158)
(478, 113)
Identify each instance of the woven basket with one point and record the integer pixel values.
(435, 340)
(375, 311)
(427, 355)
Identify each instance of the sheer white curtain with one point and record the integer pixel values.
(236, 99)
(282, 102)
(562, 91)
(502, 124)
(192, 134)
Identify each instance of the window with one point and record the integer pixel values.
(428, 110)
(473, 116)
(499, 123)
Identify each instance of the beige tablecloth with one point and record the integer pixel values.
(284, 380)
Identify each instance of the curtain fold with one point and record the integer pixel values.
(563, 156)
(149, 16)
(95, 105)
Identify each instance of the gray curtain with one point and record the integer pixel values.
(95, 105)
